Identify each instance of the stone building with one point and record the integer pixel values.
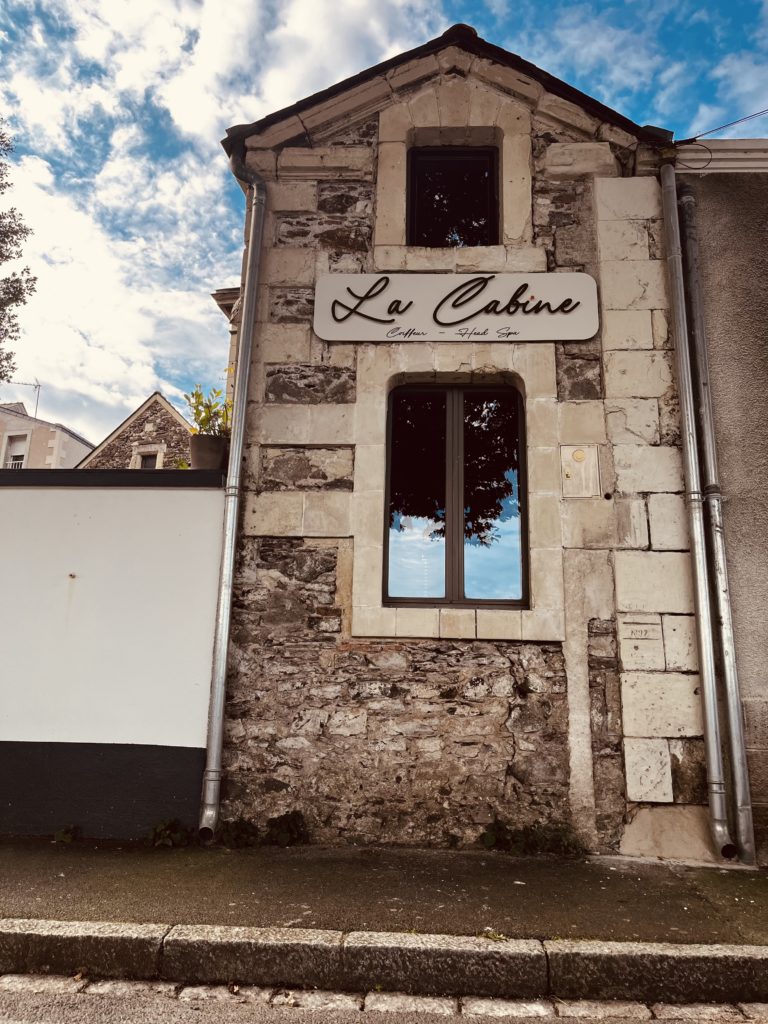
(27, 442)
(154, 436)
(413, 661)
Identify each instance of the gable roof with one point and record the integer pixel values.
(465, 38)
(19, 409)
(154, 397)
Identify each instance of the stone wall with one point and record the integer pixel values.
(384, 724)
(153, 430)
(382, 741)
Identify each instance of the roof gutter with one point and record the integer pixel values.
(256, 195)
(716, 788)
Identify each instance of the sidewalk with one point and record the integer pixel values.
(372, 889)
(434, 922)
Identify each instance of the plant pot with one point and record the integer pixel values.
(208, 452)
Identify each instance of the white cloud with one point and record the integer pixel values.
(93, 331)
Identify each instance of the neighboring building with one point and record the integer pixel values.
(729, 179)
(30, 443)
(464, 597)
(155, 436)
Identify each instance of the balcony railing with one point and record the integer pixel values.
(14, 464)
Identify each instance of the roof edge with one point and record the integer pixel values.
(129, 419)
(466, 38)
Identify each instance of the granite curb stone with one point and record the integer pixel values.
(416, 964)
(657, 972)
(445, 964)
(210, 954)
(105, 949)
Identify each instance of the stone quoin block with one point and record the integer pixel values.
(633, 284)
(627, 329)
(622, 240)
(325, 162)
(581, 422)
(643, 468)
(307, 468)
(668, 521)
(637, 374)
(654, 581)
(680, 642)
(641, 644)
(574, 159)
(631, 523)
(632, 421)
(296, 195)
(628, 199)
(285, 343)
(648, 770)
(589, 523)
(661, 704)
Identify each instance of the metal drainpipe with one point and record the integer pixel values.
(718, 810)
(209, 809)
(713, 499)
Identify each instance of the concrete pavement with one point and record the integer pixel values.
(374, 889)
(453, 924)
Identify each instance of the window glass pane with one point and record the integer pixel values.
(453, 197)
(492, 542)
(417, 495)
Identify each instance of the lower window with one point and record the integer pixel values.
(456, 523)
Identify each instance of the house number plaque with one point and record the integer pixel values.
(456, 307)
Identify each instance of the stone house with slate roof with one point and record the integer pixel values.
(154, 436)
(410, 661)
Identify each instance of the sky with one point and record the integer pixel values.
(117, 108)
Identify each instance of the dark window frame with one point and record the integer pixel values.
(454, 469)
(449, 153)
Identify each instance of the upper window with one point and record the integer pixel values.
(149, 461)
(456, 528)
(453, 196)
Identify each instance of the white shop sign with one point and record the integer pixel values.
(456, 307)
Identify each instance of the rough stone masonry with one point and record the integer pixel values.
(382, 724)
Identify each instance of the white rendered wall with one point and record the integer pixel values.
(107, 607)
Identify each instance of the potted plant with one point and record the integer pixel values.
(209, 444)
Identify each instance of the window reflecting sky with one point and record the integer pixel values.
(416, 558)
(483, 521)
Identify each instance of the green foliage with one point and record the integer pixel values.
(237, 833)
(170, 833)
(67, 835)
(287, 830)
(16, 288)
(212, 414)
(533, 840)
(181, 464)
